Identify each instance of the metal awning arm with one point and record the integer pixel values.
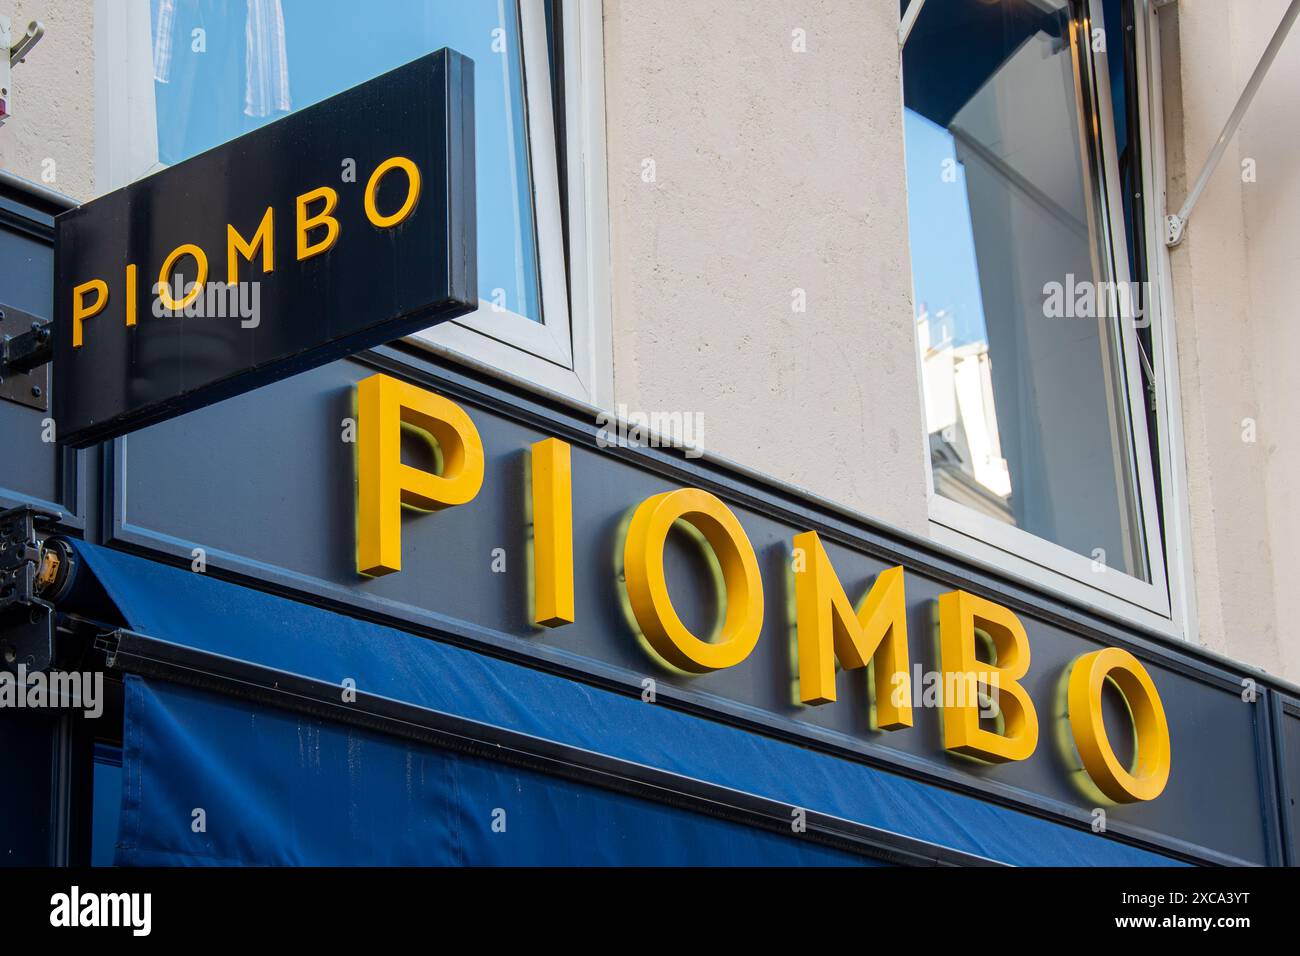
(1176, 222)
(35, 30)
(909, 21)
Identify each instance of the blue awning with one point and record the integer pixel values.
(210, 779)
(252, 768)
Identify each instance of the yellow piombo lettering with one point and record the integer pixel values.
(552, 500)
(959, 615)
(828, 628)
(412, 191)
(237, 245)
(1146, 778)
(647, 588)
(163, 288)
(306, 223)
(131, 304)
(385, 484)
(81, 310)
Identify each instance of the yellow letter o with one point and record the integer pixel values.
(164, 277)
(647, 588)
(1150, 771)
(412, 191)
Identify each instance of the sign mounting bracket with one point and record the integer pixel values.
(25, 358)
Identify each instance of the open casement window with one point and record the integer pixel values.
(176, 77)
(1032, 331)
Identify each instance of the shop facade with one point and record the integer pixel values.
(805, 394)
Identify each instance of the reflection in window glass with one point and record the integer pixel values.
(224, 67)
(1024, 388)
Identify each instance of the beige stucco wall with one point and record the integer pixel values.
(54, 107)
(775, 170)
(1237, 279)
(1272, 140)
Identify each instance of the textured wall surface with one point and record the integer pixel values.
(774, 170)
(1236, 284)
(51, 134)
(777, 170)
(1271, 208)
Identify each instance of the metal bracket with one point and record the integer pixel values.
(24, 357)
(1174, 229)
(18, 52)
(23, 564)
(1176, 223)
(6, 78)
(909, 21)
(11, 54)
(28, 568)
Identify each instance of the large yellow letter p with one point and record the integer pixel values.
(384, 484)
(82, 310)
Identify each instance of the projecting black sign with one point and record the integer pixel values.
(337, 228)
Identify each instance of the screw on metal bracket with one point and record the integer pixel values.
(1174, 226)
(27, 350)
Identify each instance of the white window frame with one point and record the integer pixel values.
(569, 352)
(578, 364)
(1169, 406)
(1164, 603)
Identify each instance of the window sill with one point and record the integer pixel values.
(1079, 592)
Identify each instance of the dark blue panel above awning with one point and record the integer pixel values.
(199, 611)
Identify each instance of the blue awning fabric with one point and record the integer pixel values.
(276, 787)
(212, 780)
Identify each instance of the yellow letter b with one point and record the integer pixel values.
(959, 614)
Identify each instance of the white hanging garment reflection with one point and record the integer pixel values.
(163, 25)
(266, 65)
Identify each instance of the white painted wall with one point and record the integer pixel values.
(50, 139)
(778, 170)
(774, 171)
(1237, 281)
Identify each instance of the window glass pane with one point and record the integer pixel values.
(1025, 398)
(224, 67)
